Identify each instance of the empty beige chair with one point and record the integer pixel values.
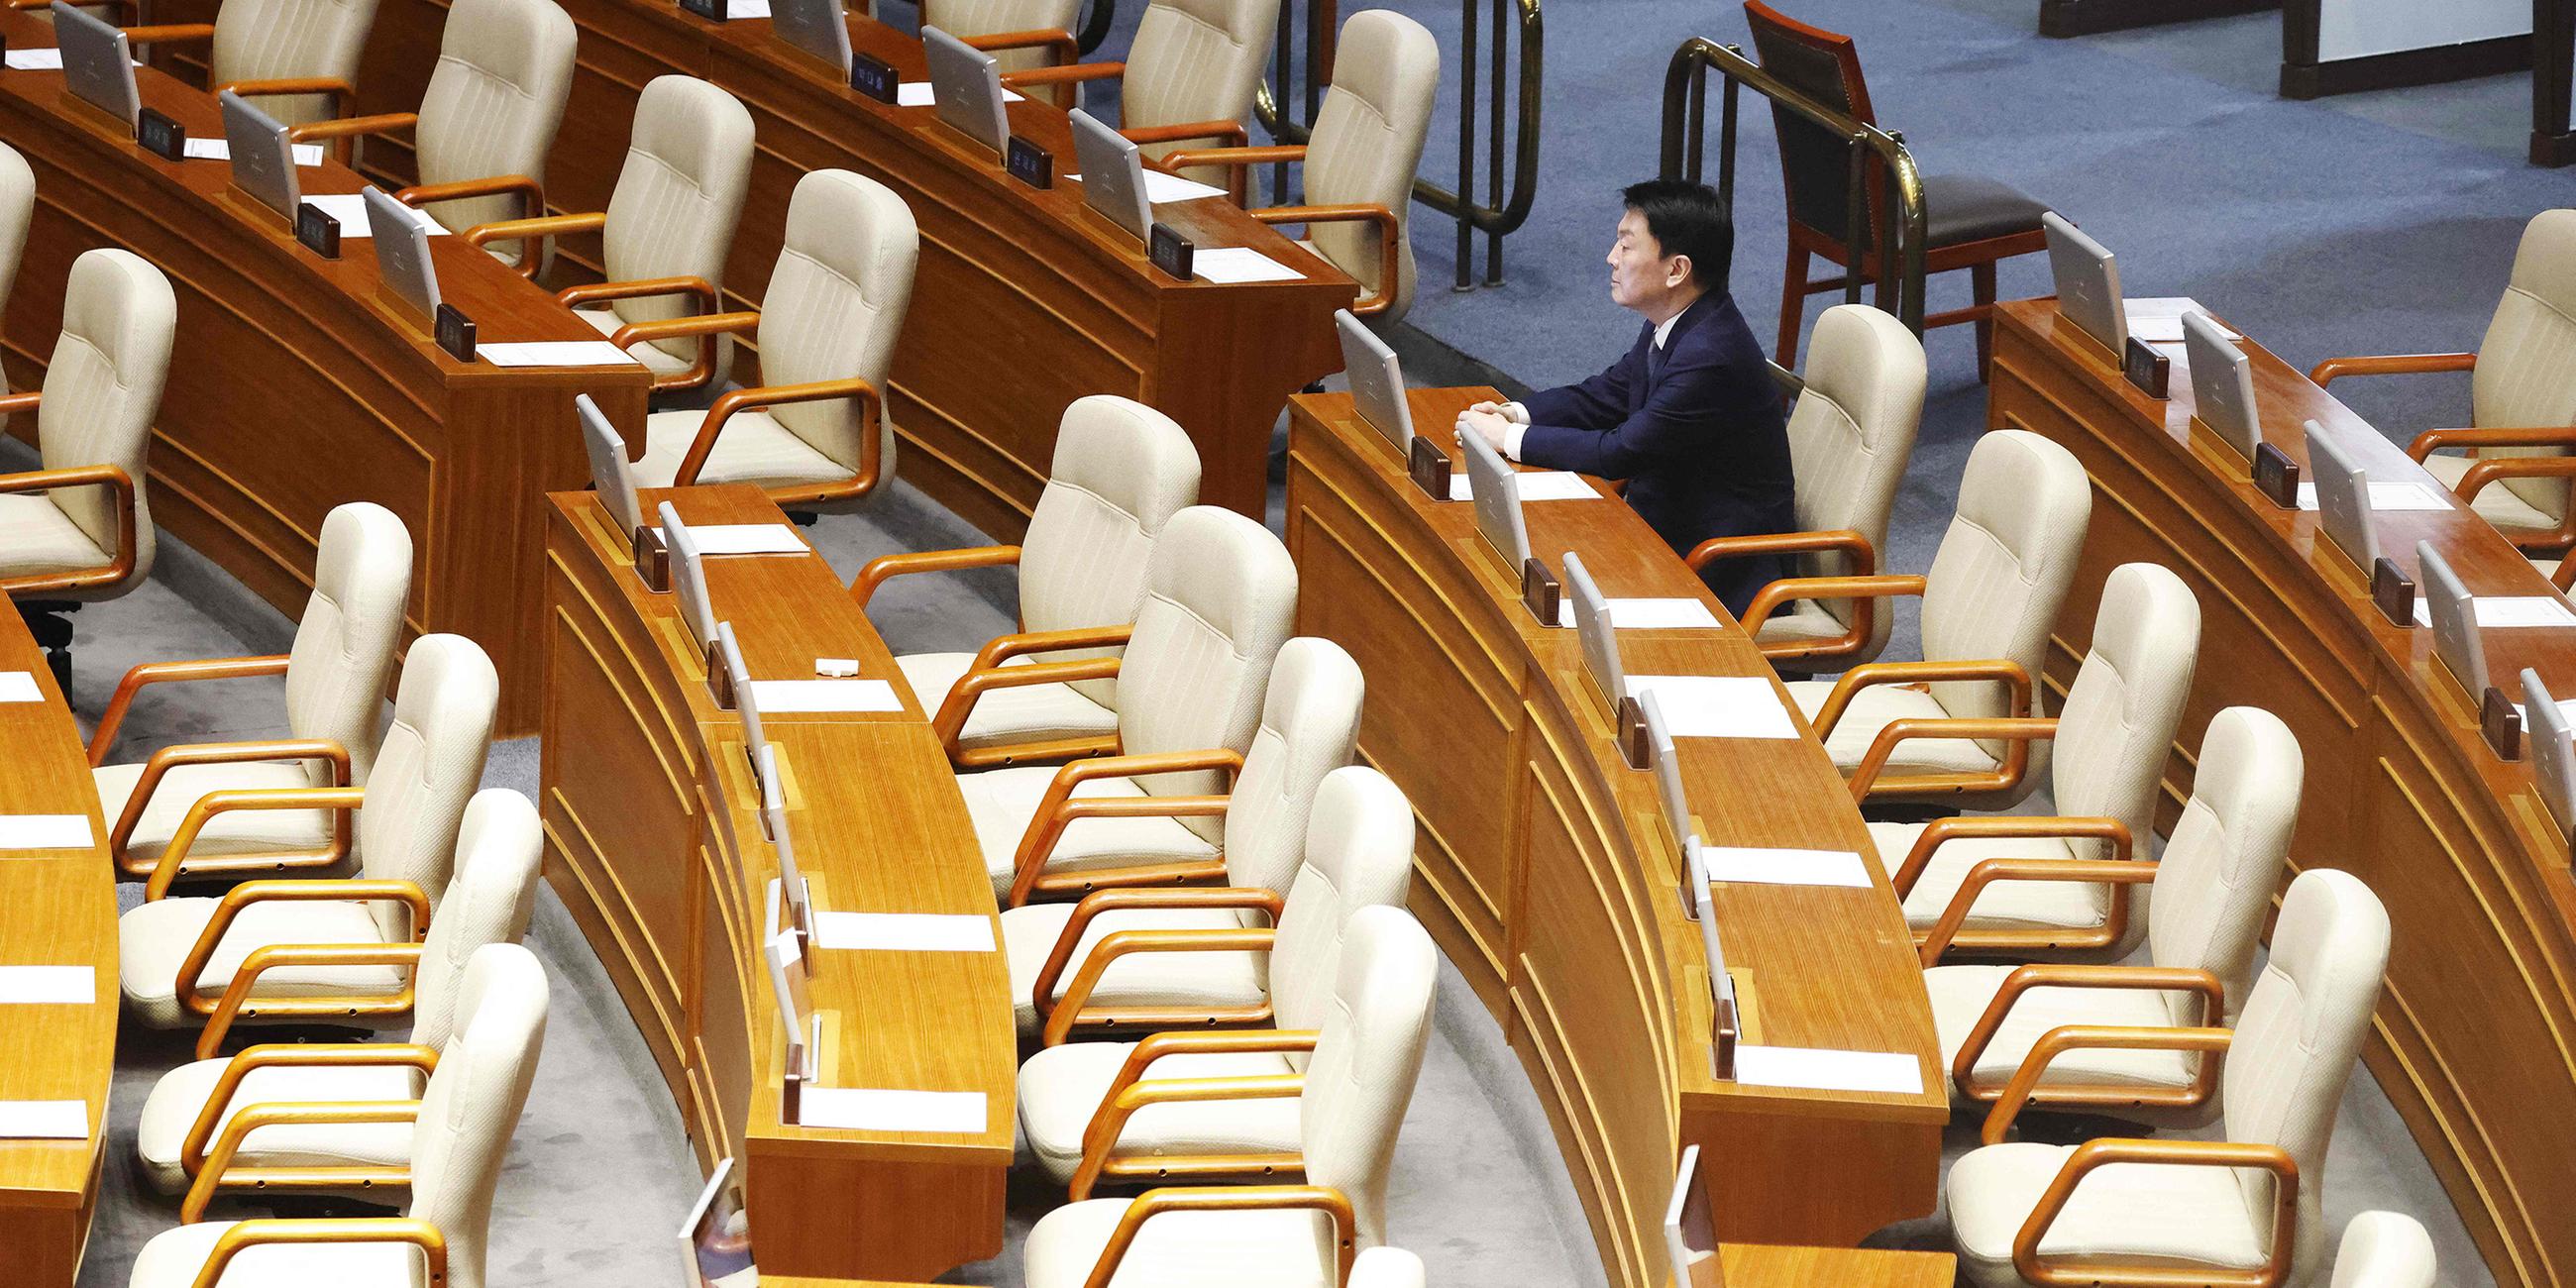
(1851, 433)
(669, 224)
(1993, 591)
(297, 59)
(2113, 737)
(2212, 887)
(1359, 855)
(1121, 471)
(2248, 1205)
(460, 1137)
(2384, 1250)
(17, 211)
(1022, 33)
(816, 436)
(176, 958)
(1359, 1076)
(1307, 725)
(335, 684)
(1189, 74)
(2521, 404)
(486, 121)
(1220, 593)
(487, 902)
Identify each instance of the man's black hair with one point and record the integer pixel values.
(1686, 218)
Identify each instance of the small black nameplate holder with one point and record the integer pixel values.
(2501, 724)
(720, 685)
(1170, 251)
(160, 136)
(319, 232)
(1630, 719)
(1725, 1030)
(874, 77)
(653, 560)
(1029, 163)
(455, 333)
(711, 10)
(2393, 592)
(2276, 476)
(1430, 468)
(2146, 368)
(1539, 591)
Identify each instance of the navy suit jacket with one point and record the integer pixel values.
(1698, 433)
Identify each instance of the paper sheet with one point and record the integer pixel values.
(1232, 264)
(1535, 485)
(918, 93)
(1818, 1069)
(1758, 866)
(48, 985)
(351, 210)
(867, 1109)
(2505, 612)
(737, 9)
(19, 686)
(1661, 614)
(746, 539)
(2566, 709)
(553, 353)
(197, 149)
(2386, 496)
(780, 697)
(44, 1120)
(2158, 319)
(1717, 706)
(44, 832)
(1161, 188)
(35, 60)
(904, 932)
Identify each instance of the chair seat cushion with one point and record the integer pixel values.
(754, 448)
(173, 1258)
(1061, 1087)
(1873, 709)
(2005, 905)
(1960, 208)
(2191, 1216)
(244, 831)
(181, 1094)
(656, 359)
(37, 537)
(1038, 713)
(152, 941)
(2497, 503)
(1213, 981)
(1260, 1249)
(1804, 622)
(1002, 801)
(1959, 998)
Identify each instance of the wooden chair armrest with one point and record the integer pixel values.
(346, 127)
(174, 855)
(1231, 132)
(550, 226)
(290, 1055)
(635, 333)
(1100, 1135)
(1389, 237)
(2495, 469)
(1030, 880)
(884, 568)
(112, 720)
(146, 784)
(120, 564)
(2191, 1153)
(2153, 979)
(2434, 440)
(1058, 806)
(987, 673)
(171, 33)
(2098, 1037)
(241, 897)
(23, 400)
(698, 289)
(532, 203)
(1059, 956)
(1995, 827)
(2391, 364)
(1861, 585)
(740, 400)
(2020, 731)
(340, 90)
(1075, 1007)
(1061, 43)
(1002, 648)
(244, 1235)
(1838, 699)
(218, 1173)
(237, 1002)
(1233, 1198)
(1064, 75)
(2117, 871)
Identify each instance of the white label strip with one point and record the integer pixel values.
(1817, 1069)
(810, 697)
(20, 686)
(48, 985)
(1534, 485)
(1748, 865)
(869, 1109)
(44, 1120)
(1717, 706)
(44, 832)
(905, 932)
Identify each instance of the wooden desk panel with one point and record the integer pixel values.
(1545, 872)
(653, 840)
(2475, 1037)
(57, 908)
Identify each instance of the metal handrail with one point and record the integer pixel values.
(1902, 240)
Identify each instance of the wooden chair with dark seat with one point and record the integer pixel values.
(1970, 221)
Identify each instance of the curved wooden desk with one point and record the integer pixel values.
(653, 840)
(2475, 1038)
(294, 386)
(1547, 875)
(57, 908)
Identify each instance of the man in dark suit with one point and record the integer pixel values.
(1690, 416)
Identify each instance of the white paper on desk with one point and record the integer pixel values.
(1229, 265)
(2385, 496)
(2158, 319)
(905, 932)
(44, 832)
(1749, 865)
(1161, 188)
(554, 353)
(350, 209)
(1818, 1069)
(44, 1120)
(1535, 485)
(918, 94)
(746, 539)
(867, 1109)
(197, 149)
(19, 686)
(2566, 708)
(746, 9)
(2505, 612)
(1717, 706)
(780, 697)
(49, 985)
(35, 60)
(1660, 614)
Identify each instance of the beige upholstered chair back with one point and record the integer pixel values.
(2298, 1036)
(488, 902)
(279, 39)
(2525, 363)
(493, 102)
(1121, 471)
(2117, 727)
(102, 389)
(1361, 1075)
(1387, 1266)
(1850, 436)
(1308, 720)
(473, 1102)
(1367, 142)
(428, 765)
(836, 303)
(1195, 60)
(344, 645)
(677, 200)
(1220, 593)
(17, 211)
(2003, 566)
(1359, 854)
(2380, 1250)
(2216, 876)
(968, 18)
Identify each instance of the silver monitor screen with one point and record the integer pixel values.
(2553, 756)
(1113, 174)
(1690, 1230)
(2343, 499)
(1377, 381)
(787, 980)
(2222, 385)
(1721, 986)
(819, 27)
(773, 816)
(1498, 505)
(2088, 284)
(1594, 630)
(745, 705)
(2456, 638)
(609, 473)
(263, 158)
(1666, 757)
(688, 578)
(95, 63)
(402, 253)
(966, 87)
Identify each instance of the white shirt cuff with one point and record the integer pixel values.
(1516, 413)
(1512, 439)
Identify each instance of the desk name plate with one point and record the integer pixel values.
(2150, 371)
(2276, 476)
(1029, 163)
(2500, 724)
(874, 77)
(711, 10)
(455, 332)
(1540, 591)
(317, 230)
(1170, 251)
(2393, 592)
(160, 136)
(1429, 468)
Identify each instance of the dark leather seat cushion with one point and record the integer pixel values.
(1965, 208)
